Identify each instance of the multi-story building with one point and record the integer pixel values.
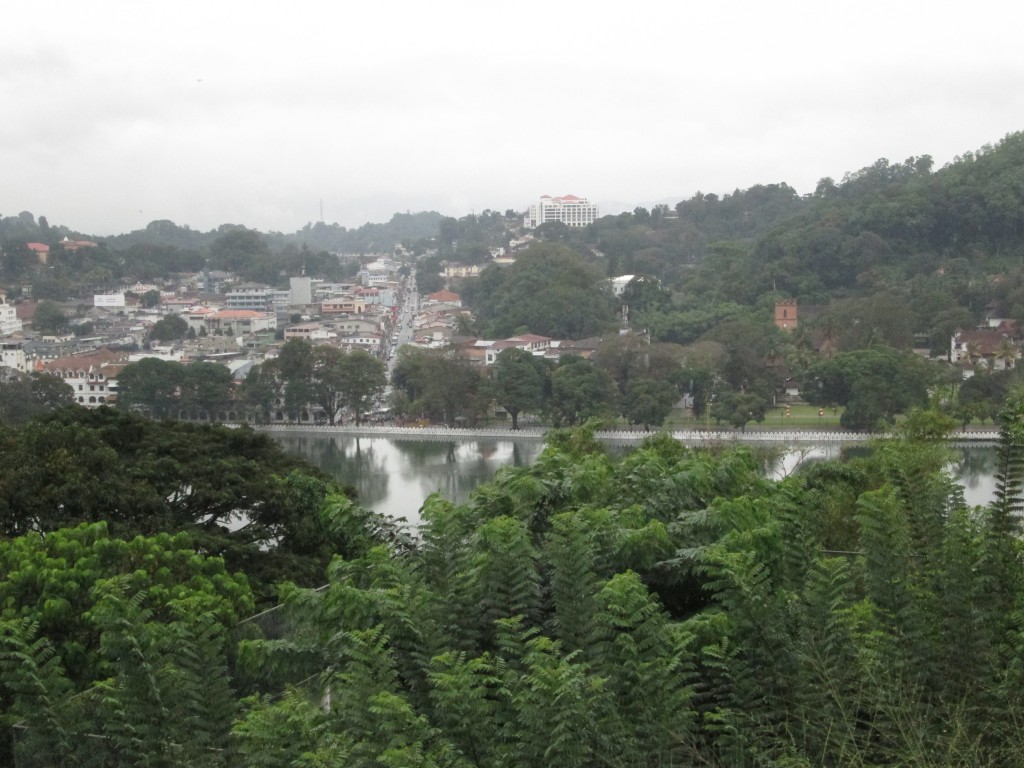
(238, 322)
(570, 210)
(12, 355)
(9, 322)
(92, 377)
(371, 342)
(310, 332)
(257, 298)
(343, 305)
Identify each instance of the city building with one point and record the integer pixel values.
(9, 322)
(570, 210)
(253, 297)
(92, 376)
(12, 355)
(301, 291)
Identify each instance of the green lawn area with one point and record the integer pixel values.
(801, 417)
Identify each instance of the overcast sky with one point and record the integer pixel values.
(113, 114)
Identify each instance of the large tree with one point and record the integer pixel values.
(24, 396)
(579, 391)
(439, 384)
(151, 386)
(520, 382)
(169, 328)
(363, 379)
(49, 318)
(648, 401)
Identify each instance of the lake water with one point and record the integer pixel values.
(394, 476)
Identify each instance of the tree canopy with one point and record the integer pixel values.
(551, 290)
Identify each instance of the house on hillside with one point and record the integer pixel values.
(579, 347)
(41, 250)
(993, 348)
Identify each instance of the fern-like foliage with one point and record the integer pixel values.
(34, 683)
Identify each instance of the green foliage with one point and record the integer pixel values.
(49, 318)
(440, 385)
(874, 384)
(580, 392)
(520, 381)
(24, 397)
(674, 607)
(169, 328)
(149, 671)
(550, 290)
(234, 491)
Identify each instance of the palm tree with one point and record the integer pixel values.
(1006, 353)
(972, 352)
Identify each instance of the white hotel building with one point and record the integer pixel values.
(570, 210)
(9, 322)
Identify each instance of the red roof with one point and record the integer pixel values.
(96, 358)
(238, 314)
(444, 295)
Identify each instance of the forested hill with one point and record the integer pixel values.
(369, 238)
(891, 222)
(875, 230)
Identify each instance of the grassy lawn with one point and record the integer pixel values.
(801, 417)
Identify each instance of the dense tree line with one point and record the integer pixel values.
(632, 378)
(303, 376)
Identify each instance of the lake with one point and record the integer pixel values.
(393, 476)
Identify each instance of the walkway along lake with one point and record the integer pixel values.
(394, 469)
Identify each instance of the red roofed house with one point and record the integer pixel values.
(444, 297)
(41, 250)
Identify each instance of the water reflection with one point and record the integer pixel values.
(355, 461)
(974, 467)
(394, 476)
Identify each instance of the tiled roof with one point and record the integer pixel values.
(96, 358)
(444, 295)
(238, 314)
